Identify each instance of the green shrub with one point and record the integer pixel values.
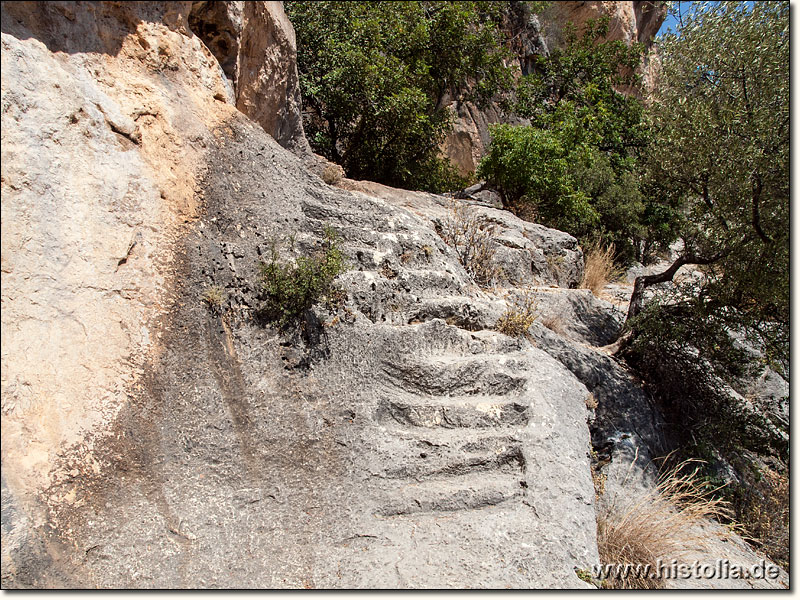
(288, 290)
(377, 78)
(535, 165)
(576, 167)
(519, 316)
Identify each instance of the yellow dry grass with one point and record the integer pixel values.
(599, 267)
(659, 525)
(520, 314)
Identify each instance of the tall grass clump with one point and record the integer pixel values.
(662, 524)
(599, 267)
(520, 314)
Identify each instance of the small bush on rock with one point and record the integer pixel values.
(471, 237)
(519, 316)
(332, 174)
(289, 290)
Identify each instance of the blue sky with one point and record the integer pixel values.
(671, 22)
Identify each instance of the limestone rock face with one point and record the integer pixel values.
(219, 25)
(107, 108)
(267, 85)
(469, 139)
(528, 254)
(151, 442)
(636, 21)
(254, 43)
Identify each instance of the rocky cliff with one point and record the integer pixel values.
(150, 439)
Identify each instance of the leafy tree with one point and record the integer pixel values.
(720, 124)
(577, 164)
(535, 165)
(376, 78)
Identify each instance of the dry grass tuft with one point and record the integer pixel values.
(599, 267)
(763, 510)
(554, 323)
(332, 174)
(472, 238)
(214, 296)
(658, 525)
(519, 316)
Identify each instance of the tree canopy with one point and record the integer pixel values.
(720, 130)
(577, 164)
(376, 78)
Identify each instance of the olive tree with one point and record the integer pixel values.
(720, 149)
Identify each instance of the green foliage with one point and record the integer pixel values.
(535, 165)
(538, 7)
(585, 73)
(577, 163)
(289, 290)
(693, 363)
(720, 124)
(720, 159)
(376, 76)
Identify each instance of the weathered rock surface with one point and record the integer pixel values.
(529, 254)
(148, 441)
(219, 25)
(267, 84)
(469, 139)
(630, 22)
(420, 455)
(255, 45)
(106, 109)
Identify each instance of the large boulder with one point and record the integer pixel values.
(107, 112)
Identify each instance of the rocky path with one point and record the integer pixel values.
(467, 441)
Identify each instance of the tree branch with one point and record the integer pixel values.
(757, 187)
(645, 281)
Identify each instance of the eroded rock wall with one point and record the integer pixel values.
(107, 110)
(636, 21)
(150, 442)
(254, 43)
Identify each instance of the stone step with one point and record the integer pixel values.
(452, 374)
(457, 493)
(479, 412)
(438, 452)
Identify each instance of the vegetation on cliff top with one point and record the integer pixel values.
(376, 78)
